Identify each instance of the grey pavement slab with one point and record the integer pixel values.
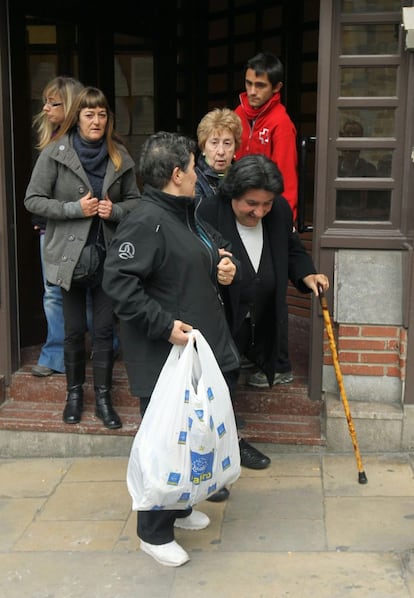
(303, 528)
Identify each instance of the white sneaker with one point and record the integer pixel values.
(170, 554)
(197, 520)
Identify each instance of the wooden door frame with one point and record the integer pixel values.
(9, 325)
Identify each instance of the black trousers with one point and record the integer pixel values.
(283, 363)
(157, 527)
(243, 342)
(74, 314)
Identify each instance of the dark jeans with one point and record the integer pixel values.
(74, 313)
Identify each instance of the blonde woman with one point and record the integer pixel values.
(57, 98)
(219, 136)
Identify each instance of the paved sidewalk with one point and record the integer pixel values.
(304, 528)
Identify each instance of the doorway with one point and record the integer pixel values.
(188, 79)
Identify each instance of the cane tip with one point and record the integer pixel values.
(362, 478)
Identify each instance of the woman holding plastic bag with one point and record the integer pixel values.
(162, 272)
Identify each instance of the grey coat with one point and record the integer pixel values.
(57, 184)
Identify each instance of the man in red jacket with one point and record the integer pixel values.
(268, 130)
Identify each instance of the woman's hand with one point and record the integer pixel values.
(178, 333)
(105, 208)
(312, 281)
(89, 205)
(226, 269)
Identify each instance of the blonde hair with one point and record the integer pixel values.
(67, 88)
(218, 120)
(92, 97)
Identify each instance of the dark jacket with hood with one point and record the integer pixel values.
(158, 270)
(289, 260)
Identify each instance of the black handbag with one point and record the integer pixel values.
(88, 270)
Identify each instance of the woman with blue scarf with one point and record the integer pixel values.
(84, 183)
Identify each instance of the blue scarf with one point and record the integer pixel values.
(94, 159)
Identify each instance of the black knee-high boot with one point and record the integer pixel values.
(102, 364)
(75, 377)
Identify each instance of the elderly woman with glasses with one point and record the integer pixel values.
(219, 136)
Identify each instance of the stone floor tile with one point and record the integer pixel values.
(224, 575)
(31, 477)
(388, 475)
(290, 575)
(128, 540)
(88, 501)
(84, 575)
(16, 514)
(278, 535)
(293, 465)
(280, 498)
(92, 469)
(64, 536)
(356, 525)
(208, 538)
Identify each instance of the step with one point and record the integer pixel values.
(282, 415)
(371, 424)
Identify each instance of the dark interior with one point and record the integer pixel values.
(198, 50)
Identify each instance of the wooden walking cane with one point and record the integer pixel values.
(362, 478)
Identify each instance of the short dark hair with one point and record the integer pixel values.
(268, 63)
(254, 171)
(161, 153)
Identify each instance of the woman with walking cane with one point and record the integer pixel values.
(250, 211)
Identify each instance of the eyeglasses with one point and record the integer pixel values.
(52, 104)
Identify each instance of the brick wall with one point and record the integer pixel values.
(367, 350)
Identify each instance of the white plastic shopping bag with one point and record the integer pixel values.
(186, 447)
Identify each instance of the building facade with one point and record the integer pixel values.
(349, 86)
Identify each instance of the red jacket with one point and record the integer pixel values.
(269, 131)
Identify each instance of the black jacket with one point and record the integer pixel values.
(208, 180)
(290, 261)
(158, 270)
